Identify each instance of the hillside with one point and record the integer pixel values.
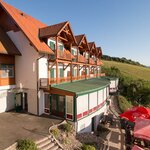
(136, 72)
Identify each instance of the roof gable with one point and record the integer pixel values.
(82, 42)
(99, 51)
(58, 30)
(6, 45)
(28, 25)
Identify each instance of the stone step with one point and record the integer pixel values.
(41, 140)
(55, 147)
(48, 146)
(43, 143)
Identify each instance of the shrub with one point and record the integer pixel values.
(26, 144)
(66, 127)
(88, 147)
(55, 132)
(124, 104)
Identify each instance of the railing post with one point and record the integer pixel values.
(56, 48)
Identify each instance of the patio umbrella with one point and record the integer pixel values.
(142, 129)
(136, 112)
(135, 147)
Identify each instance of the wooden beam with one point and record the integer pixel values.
(77, 71)
(74, 65)
(56, 72)
(63, 61)
(71, 71)
(81, 67)
(52, 65)
(64, 68)
(56, 49)
(61, 38)
(80, 46)
(59, 92)
(66, 31)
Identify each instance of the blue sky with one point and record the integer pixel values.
(120, 27)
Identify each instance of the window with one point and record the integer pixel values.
(61, 47)
(52, 72)
(61, 72)
(52, 45)
(69, 105)
(7, 71)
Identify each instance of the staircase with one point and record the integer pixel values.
(48, 143)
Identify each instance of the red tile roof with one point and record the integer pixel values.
(99, 49)
(29, 26)
(55, 30)
(6, 45)
(79, 39)
(91, 45)
(51, 31)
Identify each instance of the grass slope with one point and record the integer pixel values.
(136, 72)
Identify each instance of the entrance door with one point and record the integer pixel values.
(58, 105)
(21, 102)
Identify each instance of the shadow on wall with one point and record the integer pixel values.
(10, 101)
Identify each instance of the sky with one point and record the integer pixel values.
(120, 27)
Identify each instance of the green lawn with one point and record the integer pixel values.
(136, 72)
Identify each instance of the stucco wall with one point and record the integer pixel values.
(88, 106)
(25, 68)
(92, 100)
(82, 104)
(85, 124)
(7, 101)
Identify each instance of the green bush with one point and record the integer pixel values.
(66, 127)
(55, 132)
(124, 104)
(26, 144)
(88, 147)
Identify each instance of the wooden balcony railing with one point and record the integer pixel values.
(91, 61)
(81, 58)
(68, 79)
(99, 62)
(65, 55)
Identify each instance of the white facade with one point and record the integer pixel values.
(26, 68)
(7, 101)
(85, 124)
(91, 105)
(114, 85)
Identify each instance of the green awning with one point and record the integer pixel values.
(83, 86)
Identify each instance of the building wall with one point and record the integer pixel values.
(7, 101)
(91, 105)
(114, 85)
(85, 124)
(26, 68)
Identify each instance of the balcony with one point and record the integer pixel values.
(91, 61)
(81, 59)
(65, 55)
(99, 62)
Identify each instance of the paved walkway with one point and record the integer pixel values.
(14, 126)
(116, 138)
